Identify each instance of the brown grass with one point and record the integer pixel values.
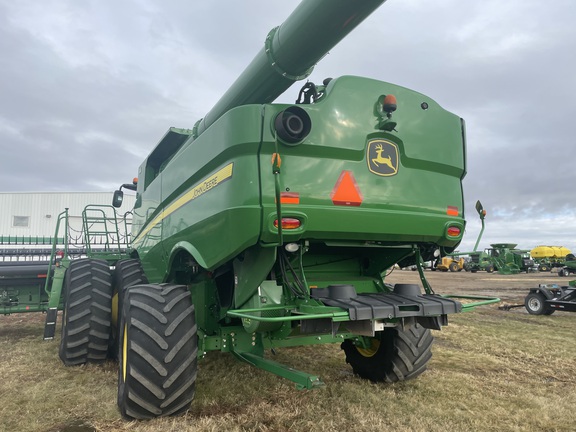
(491, 371)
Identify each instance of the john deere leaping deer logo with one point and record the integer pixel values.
(382, 157)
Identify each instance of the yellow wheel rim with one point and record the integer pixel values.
(115, 317)
(371, 350)
(124, 351)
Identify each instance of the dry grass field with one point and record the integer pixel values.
(491, 370)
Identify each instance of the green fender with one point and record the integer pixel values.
(190, 249)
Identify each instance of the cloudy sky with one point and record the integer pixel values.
(89, 87)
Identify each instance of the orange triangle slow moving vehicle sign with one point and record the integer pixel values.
(346, 191)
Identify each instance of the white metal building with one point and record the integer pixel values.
(36, 213)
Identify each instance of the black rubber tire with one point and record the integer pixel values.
(490, 268)
(126, 273)
(453, 267)
(564, 272)
(535, 304)
(543, 268)
(158, 351)
(87, 312)
(397, 355)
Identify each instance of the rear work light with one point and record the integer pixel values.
(453, 231)
(288, 223)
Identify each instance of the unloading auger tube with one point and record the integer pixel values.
(317, 25)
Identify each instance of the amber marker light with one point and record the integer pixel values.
(389, 104)
(452, 211)
(288, 223)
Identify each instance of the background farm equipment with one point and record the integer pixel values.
(475, 260)
(449, 263)
(501, 257)
(22, 287)
(479, 261)
(506, 259)
(33, 268)
(569, 266)
(547, 299)
(547, 258)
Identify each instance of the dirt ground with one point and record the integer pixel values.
(511, 289)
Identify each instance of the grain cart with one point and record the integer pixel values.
(272, 225)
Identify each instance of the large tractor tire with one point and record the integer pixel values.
(453, 267)
(87, 312)
(394, 354)
(126, 273)
(158, 351)
(535, 304)
(489, 268)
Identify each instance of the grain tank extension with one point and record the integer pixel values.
(273, 225)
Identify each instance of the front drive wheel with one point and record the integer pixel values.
(535, 304)
(393, 355)
(87, 312)
(158, 351)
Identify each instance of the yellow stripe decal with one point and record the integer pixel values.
(200, 189)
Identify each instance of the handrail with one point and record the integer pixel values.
(61, 216)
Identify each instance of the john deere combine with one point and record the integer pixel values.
(273, 225)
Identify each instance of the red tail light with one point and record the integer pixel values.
(288, 223)
(453, 231)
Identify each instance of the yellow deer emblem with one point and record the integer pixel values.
(382, 157)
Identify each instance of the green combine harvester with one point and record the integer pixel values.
(268, 226)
